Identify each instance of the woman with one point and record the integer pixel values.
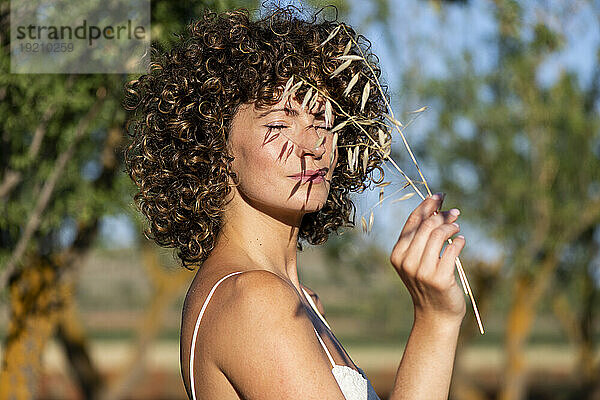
(233, 175)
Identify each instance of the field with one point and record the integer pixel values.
(367, 313)
(550, 367)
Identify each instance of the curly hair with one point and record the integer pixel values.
(183, 108)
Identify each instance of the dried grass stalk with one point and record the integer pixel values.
(342, 67)
(340, 126)
(351, 84)
(380, 143)
(320, 141)
(381, 137)
(307, 97)
(288, 85)
(420, 110)
(365, 96)
(351, 57)
(347, 48)
(393, 120)
(333, 149)
(313, 101)
(405, 197)
(328, 113)
(294, 88)
(331, 35)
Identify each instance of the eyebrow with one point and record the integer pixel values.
(291, 111)
(287, 111)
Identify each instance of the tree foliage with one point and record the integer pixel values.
(61, 172)
(523, 161)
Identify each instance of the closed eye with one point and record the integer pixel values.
(276, 126)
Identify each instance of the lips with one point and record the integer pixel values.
(311, 175)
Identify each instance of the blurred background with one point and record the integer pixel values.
(90, 309)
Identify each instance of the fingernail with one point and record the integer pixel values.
(438, 196)
(455, 211)
(460, 236)
(455, 224)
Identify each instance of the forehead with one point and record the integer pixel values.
(291, 107)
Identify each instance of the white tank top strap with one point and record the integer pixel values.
(192, 387)
(314, 306)
(325, 348)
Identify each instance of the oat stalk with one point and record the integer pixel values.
(379, 143)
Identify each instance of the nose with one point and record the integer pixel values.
(306, 146)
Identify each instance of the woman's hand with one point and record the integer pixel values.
(430, 279)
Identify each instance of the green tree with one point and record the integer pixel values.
(60, 163)
(576, 301)
(533, 152)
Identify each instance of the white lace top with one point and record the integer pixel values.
(354, 385)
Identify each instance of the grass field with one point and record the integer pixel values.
(548, 365)
(369, 313)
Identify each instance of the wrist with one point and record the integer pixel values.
(435, 323)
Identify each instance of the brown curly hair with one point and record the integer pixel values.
(184, 105)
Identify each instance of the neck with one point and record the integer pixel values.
(263, 238)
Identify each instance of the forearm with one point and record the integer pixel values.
(426, 366)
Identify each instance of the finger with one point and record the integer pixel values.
(406, 253)
(431, 255)
(446, 263)
(415, 250)
(424, 210)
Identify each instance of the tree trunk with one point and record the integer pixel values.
(588, 365)
(484, 276)
(518, 326)
(39, 294)
(527, 293)
(70, 334)
(34, 308)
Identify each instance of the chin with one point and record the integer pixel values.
(309, 200)
(313, 205)
(301, 201)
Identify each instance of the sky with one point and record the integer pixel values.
(432, 40)
(424, 37)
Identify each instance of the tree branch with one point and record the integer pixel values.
(35, 216)
(13, 178)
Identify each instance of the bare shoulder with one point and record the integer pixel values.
(258, 288)
(264, 289)
(246, 288)
(316, 299)
(270, 331)
(257, 293)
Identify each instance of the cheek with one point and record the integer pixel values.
(256, 164)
